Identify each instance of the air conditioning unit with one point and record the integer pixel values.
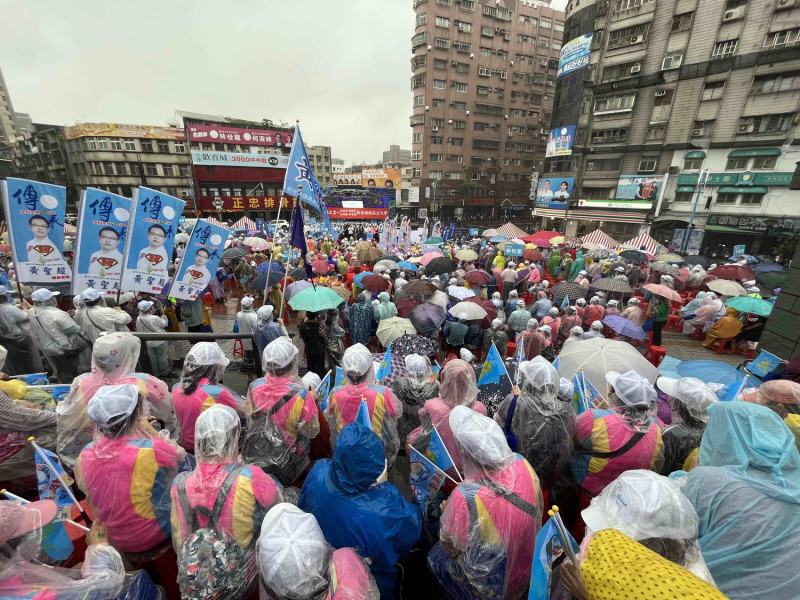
(674, 170)
(450, 121)
(746, 128)
(697, 132)
(454, 63)
(434, 128)
(787, 4)
(732, 15)
(660, 93)
(543, 63)
(635, 39)
(636, 68)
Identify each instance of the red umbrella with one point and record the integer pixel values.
(664, 291)
(375, 283)
(531, 254)
(405, 306)
(528, 239)
(733, 272)
(491, 311)
(541, 242)
(478, 276)
(320, 266)
(547, 235)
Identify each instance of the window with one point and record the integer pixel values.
(457, 141)
(775, 83)
(459, 124)
(419, 61)
(108, 168)
(672, 60)
(419, 40)
(437, 140)
(439, 84)
(726, 198)
(556, 45)
(558, 27)
(484, 72)
(443, 2)
(422, 19)
(724, 49)
(655, 133)
(628, 36)
(419, 100)
(595, 193)
(664, 97)
(483, 90)
(713, 91)
(460, 87)
(463, 47)
(736, 164)
(455, 158)
(487, 31)
(454, 174)
(122, 168)
(147, 146)
(460, 106)
(479, 125)
(436, 158)
(443, 22)
(476, 161)
(545, 24)
(682, 22)
(462, 68)
(779, 39)
(464, 27)
(647, 165)
(441, 43)
(184, 170)
(439, 63)
(180, 148)
(417, 172)
(486, 52)
(692, 164)
(416, 119)
(151, 170)
(486, 144)
(614, 104)
(416, 137)
(168, 170)
(416, 155)
(467, 5)
(609, 135)
(684, 197)
(765, 162)
(116, 144)
(752, 199)
(438, 103)
(543, 43)
(135, 170)
(163, 147)
(418, 81)
(437, 122)
(628, 69)
(766, 123)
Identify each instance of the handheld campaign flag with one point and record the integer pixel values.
(730, 392)
(339, 379)
(549, 546)
(425, 478)
(579, 393)
(592, 397)
(565, 302)
(200, 261)
(50, 473)
(763, 364)
(438, 454)
(363, 415)
(324, 390)
(555, 362)
(436, 368)
(386, 365)
(493, 368)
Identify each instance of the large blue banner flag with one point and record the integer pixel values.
(35, 220)
(102, 232)
(299, 173)
(200, 261)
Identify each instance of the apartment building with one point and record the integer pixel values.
(667, 102)
(320, 159)
(395, 157)
(8, 124)
(484, 75)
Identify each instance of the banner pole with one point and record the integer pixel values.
(272, 252)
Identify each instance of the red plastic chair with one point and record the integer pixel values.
(238, 349)
(511, 349)
(655, 354)
(726, 346)
(674, 322)
(697, 334)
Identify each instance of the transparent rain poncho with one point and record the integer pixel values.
(114, 357)
(54, 330)
(691, 399)
(487, 552)
(417, 386)
(543, 424)
(205, 360)
(295, 562)
(216, 435)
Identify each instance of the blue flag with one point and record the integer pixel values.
(565, 302)
(493, 368)
(363, 415)
(437, 452)
(555, 362)
(425, 478)
(324, 390)
(579, 393)
(763, 364)
(339, 379)
(592, 398)
(435, 369)
(549, 546)
(55, 539)
(386, 365)
(299, 173)
(732, 390)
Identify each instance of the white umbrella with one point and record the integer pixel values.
(468, 311)
(439, 298)
(489, 233)
(459, 292)
(255, 242)
(726, 288)
(598, 356)
(391, 329)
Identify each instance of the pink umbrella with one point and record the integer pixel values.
(541, 242)
(429, 257)
(320, 266)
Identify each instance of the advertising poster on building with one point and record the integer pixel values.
(694, 243)
(534, 185)
(381, 178)
(73, 132)
(637, 187)
(151, 238)
(200, 262)
(235, 135)
(362, 203)
(238, 159)
(575, 55)
(560, 140)
(35, 220)
(555, 192)
(413, 195)
(347, 179)
(102, 226)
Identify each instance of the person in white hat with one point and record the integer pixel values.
(267, 328)
(595, 331)
(689, 399)
(247, 319)
(157, 350)
(58, 337)
(97, 318)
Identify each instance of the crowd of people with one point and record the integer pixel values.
(295, 489)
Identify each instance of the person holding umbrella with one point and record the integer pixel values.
(658, 309)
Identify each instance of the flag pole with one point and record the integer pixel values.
(11, 496)
(63, 483)
(286, 275)
(272, 251)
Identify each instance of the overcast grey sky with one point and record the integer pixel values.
(342, 68)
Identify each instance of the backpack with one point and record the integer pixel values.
(210, 563)
(263, 444)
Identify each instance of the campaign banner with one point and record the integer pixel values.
(102, 227)
(385, 178)
(151, 238)
(560, 140)
(474, 232)
(347, 179)
(238, 159)
(638, 187)
(359, 214)
(73, 132)
(238, 135)
(513, 249)
(739, 249)
(200, 261)
(764, 364)
(554, 193)
(575, 55)
(35, 220)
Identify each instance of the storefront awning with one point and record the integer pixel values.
(755, 189)
(612, 216)
(686, 188)
(695, 154)
(726, 229)
(739, 152)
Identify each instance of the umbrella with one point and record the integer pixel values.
(440, 265)
(749, 258)
(528, 239)
(460, 293)
(748, 304)
(298, 273)
(697, 260)
(598, 254)
(569, 288)
(320, 266)
(375, 283)
(427, 317)
(489, 233)
(392, 257)
(768, 268)
(406, 305)
(431, 249)
(478, 276)
(384, 265)
(531, 254)
(733, 272)
(612, 284)
(497, 238)
(363, 245)
(357, 279)
(370, 254)
(426, 258)
(468, 311)
(296, 287)
(683, 275)
(669, 257)
(343, 292)
(467, 255)
(523, 274)
(725, 287)
(181, 238)
(255, 242)
(771, 280)
(710, 371)
(419, 287)
(663, 291)
(491, 311)
(235, 252)
(593, 246)
(667, 268)
(264, 266)
(625, 327)
(259, 282)
(439, 298)
(408, 266)
(315, 299)
(391, 329)
(555, 241)
(432, 241)
(635, 256)
(598, 356)
(414, 344)
(541, 243)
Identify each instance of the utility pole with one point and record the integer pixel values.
(701, 184)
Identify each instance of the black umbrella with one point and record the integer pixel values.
(260, 234)
(259, 282)
(440, 265)
(414, 344)
(569, 288)
(635, 256)
(390, 257)
(298, 273)
(696, 260)
(235, 252)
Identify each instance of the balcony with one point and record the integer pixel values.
(631, 8)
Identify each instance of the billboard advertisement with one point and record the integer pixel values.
(381, 178)
(638, 187)
(363, 203)
(560, 140)
(238, 135)
(73, 132)
(555, 192)
(236, 159)
(347, 179)
(575, 55)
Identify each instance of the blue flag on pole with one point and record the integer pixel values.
(324, 390)
(763, 364)
(386, 365)
(425, 478)
(549, 546)
(436, 368)
(565, 302)
(55, 539)
(493, 368)
(299, 173)
(437, 452)
(555, 362)
(339, 379)
(592, 398)
(578, 393)
(363, 415)
(732, 390)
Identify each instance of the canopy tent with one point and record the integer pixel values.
(650, 245)
(244, 223)
(509, 230)
(598, 236)
(214, 221)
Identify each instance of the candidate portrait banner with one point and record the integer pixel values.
(151, 238)
(102, 228)
(35, 220)
(200, 261)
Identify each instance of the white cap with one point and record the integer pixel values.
(520, 302)
(265, 312)
(207, 353)
(278, 353)
(144, 305)
(546, 329)
(565, 389)
(480, 437)
(90, 294)
(620, 269)
(43, 295)
(695, 395)
(112, 404)
(597, 326)
(247, 301)
(311, 380)
(631, 388)
(582, 273)
(466, 355)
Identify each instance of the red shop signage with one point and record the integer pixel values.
(232, 203)
(236, 135)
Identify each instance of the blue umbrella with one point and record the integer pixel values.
(431, 249)
(498, 238)
(264, 267)
(408, 265)
(748, 257)
(767, 267)
(710, 371)
(357, 279)
(624, 327)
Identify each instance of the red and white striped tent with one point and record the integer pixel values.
(70, 229)
(244, 223)
(510, 231)
(598, 236)
(650, 245)
(214, 221)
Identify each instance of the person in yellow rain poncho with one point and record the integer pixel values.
(728, 326)
(499, 260)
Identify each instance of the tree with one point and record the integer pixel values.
(469, 187)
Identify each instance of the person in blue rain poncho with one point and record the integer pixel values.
(357, 508)
(746, 492)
